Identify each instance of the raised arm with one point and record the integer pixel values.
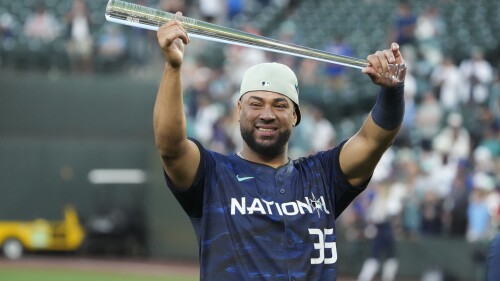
(180, 156)
(362, 152)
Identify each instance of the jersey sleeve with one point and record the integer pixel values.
(191, 199)
(344, 192)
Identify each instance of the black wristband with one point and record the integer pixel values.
(389, 108)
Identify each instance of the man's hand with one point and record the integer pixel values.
(378, 70)
(172, 37)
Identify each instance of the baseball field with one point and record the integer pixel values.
(64, 275)
(48, 268)
(65, 269)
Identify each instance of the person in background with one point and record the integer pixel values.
(493, 268)
(385, 207)
(337, 74)
(447, 81)
(111, 48)
(404, 26)
(478, 75)
(42, 25)
(80, 43)
(429, 31)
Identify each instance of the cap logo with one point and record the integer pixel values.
(266, 83)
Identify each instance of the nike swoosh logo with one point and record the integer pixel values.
(243, 178)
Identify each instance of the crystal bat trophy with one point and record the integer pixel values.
(149, 18)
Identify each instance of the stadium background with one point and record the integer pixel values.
(61, 118)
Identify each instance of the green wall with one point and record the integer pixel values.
(54, 130)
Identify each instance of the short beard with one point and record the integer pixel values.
(270, 150)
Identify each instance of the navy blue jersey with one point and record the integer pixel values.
(493, 270)
(255, 222)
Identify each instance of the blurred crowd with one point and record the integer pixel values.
(50, 35)
(442, 175)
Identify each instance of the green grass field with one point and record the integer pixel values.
(40, 274)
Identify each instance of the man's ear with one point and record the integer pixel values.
(238, 107)
(294, 117)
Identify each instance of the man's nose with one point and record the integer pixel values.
(267, 113)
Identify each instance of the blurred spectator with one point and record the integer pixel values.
(7, 26)
(411, 177)
(493, 270)
(443, 173)
(430, 27)
(386, 205)
(220, 88)
(478, 75)
(291, 5)
(487, 151)
(385, 167)
(212, 11)
(172, 6)
(447, 80)
(80, 43)
(481, 123)
(239, 59)
(300, 141)
(428, 118)
(479, 217)
(337, 73)
(207, 115)
(142, 51)
(234, 8)
(311, 82)
(404, 25)
(286, 33)
(431, 210)
(221, 140)
(324, 133)
(42, 25)
(430, 189)
(111, 48)
(456, 203)
(494, 99)
(453, 139)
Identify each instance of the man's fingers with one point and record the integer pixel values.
(390, 56)
(178, 21)
(398, 58)
(386, 58)
(376, 62)
(395, 47)
(178, 17)
(378, 65)
(171, 31)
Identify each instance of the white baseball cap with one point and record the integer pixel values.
(272, 77)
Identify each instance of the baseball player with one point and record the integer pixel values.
(257, 214)
(493, 270)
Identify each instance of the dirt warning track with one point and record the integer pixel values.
(130, 266)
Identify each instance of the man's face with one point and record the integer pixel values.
(266, 120)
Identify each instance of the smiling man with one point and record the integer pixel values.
(257, 214)
(268, 107)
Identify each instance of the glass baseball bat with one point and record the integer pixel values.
(149, 18)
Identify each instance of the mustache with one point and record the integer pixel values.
(266, 122)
